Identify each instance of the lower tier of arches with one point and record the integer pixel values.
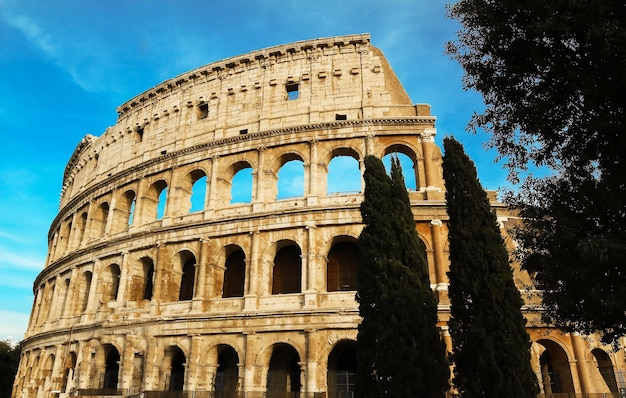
(276, 360)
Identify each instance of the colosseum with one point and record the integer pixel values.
(186, 262)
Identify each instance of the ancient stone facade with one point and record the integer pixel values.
(161, 277)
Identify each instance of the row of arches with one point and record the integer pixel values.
(209, 186)
(183, 277)
(223, 370)
(107, 370)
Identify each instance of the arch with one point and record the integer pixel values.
(64, 236)
(344, 174)
(241, 182)
(605, 367)
(408, 162)
(81, 225)
(234, 272)
(111, 283)
(175, 361)
(290, 177)
(66, 295)
(227, 372)
(125, 210)
(283, 375)
(99, 220)
(84, 290)
(341, 370)
(287, 271)
(555, 370)
(197, 196)
(343, 265)
(158, 194)
(148, 277)
(187, 281)
(48, 367)
(68, 371)
(111, 367)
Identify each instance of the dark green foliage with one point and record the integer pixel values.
(9, 360)
(553, 78)
(490, 345)
(400, 351)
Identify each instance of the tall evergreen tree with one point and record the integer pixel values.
(551, 74)
(490, 345)
(400, 351)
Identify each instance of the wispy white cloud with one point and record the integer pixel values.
(83, 58)
(13, 325)
(15, 259)
(33, 32)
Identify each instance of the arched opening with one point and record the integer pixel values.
(227, 373)
(407, 162)
(112, 283)
(241, 184)
(148, 277)
(84, 290)
(234, 274)
(99, 220)
(66, 295)
(161, 199)
(341, 375)
(555, 370)
(198, 191)
(64, 235)
(291, 179)
(124, 211)
(605, 367)
(68, 372)
(47, 370)
(80, 229)
(177, 372)
(343, 266)
(189, 276)
(287, 272)
(112, 368)
(283, 375)
(344, 175)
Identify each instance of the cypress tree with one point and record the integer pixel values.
(400, 352)
(490, 345)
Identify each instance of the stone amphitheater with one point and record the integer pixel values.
(176, 268)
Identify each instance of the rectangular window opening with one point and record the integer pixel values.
(203, 110)
(341, 117)
(243, 131)
(293, 91)
(139, 134)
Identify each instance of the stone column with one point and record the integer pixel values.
(253, 273)
(439, 236)
(258, 186)
(427, 138)
(92, 296)
(202, 266)
(161, 275)
(369, 144)
(312, 189)
(248, 359)
(582, 365)
(125, 275)
(212, 194)
(309, 367)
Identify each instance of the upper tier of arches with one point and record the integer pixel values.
(251, 181)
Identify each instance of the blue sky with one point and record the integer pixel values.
(65, 65)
